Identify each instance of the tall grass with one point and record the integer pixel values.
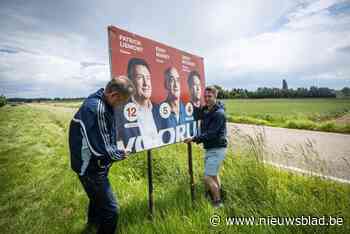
(40, 194)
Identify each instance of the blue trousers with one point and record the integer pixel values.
(103, 208)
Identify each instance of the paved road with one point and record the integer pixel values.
(301, 150)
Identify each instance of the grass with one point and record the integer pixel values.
(311, 114)
(41, 194)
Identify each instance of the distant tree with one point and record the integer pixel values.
(301, 92)
(3, 100)
(265, 92)
(346, 91)
(241, 93)
(284, 85)
(221, 92)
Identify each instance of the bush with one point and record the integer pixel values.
(3, 100)
(327, 127)
(247, 120)
(301, 124)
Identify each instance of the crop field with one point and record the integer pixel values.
(41, 194)
(320, 114)
(332, 115)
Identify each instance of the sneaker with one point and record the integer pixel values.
(218, 204)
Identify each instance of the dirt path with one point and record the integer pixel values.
(322, 153)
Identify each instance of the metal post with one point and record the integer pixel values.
(190, 169)
(150, 183)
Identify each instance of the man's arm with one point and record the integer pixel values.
(198, 113)
(108, 147)
(98, 136)
(213, 128)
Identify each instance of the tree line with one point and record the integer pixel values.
(56, 99)
(265, 92)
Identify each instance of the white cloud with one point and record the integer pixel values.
(237, 39)
(51, 66)
(308, 8)
(308, 44)
(327, 76)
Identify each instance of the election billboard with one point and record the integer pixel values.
(169, 87)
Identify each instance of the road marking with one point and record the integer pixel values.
(308, 173)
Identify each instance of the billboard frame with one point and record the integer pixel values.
(151, 207)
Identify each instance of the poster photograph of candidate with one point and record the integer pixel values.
(139, 118)
(168, 84)
(173, 110)
(195, 89)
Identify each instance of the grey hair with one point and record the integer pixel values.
(122, 85)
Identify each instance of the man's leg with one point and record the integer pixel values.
(103, 206)
(107, 206)
(93, 213)
(213, 187)
(207, 192)
(88, 186)
(214, 158)
(221, 189)
(217, 180)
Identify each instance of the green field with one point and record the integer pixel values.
(312, 114)
(320, 114)
(40, 193)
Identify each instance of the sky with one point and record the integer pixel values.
(59, 48)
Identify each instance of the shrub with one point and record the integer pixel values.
(247, 119)
(3, 100)
(301, 124)
(328, 127)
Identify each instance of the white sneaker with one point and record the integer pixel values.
(218, 204)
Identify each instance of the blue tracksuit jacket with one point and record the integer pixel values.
(92, 137)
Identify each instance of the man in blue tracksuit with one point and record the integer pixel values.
(214, 138)
(92, 142)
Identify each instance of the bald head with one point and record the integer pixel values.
(120, 84)
(172, 82)
(118, 90)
